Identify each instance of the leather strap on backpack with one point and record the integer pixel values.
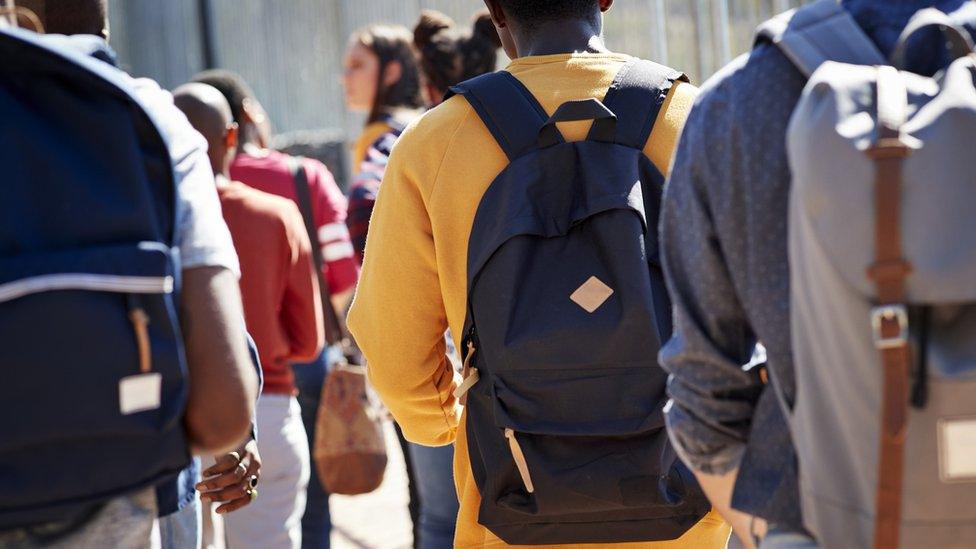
(333, 325)
(889, 320)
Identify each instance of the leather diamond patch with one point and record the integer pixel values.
(592, 294)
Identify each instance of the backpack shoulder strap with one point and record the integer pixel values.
(636, 96)
(819, 32)
(512, 115)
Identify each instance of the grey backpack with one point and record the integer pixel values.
(883, 278)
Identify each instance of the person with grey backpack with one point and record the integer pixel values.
(818, 206)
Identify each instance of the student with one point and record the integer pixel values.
(222, 384)
(381, 81)
(284, 315)
(270, 171)
(383, 78)
(449, 56)
(725, 247)
(414, 279)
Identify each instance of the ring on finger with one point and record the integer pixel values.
(253, 481)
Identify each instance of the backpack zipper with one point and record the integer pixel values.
(520, 463)
(469, 374)
(140, 326)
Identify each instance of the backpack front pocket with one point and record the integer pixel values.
(562, 444)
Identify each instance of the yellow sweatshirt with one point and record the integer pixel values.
(414, 279)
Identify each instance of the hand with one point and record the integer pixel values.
(232, 481)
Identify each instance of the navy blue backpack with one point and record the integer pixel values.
(567, 312)
(94, 376)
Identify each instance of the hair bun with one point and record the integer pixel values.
(484, 27)
(431, 24)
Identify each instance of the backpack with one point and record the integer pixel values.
(94, 379)
(567, 311)
(883, 285)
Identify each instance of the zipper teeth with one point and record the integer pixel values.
(91, 282)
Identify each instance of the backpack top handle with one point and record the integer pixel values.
(958, 41)
(604, 122)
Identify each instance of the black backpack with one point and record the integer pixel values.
(567, 312)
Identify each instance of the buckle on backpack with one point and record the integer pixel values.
(882, 318)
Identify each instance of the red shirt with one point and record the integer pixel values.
(279, 288)
(271, 173)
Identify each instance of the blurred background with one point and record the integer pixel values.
(290, 51)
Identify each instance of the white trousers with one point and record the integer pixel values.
(274, 520)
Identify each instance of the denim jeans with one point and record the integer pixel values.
(126, 521)
(434, 475)
(778, 538)
(181, 529)
(317, 522)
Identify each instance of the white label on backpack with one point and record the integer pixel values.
(957, 450)
(140, 393)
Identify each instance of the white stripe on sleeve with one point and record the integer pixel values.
(333, 232)
(337, 251)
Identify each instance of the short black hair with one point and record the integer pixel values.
(531, 13)
(232, 85)
(70, 16)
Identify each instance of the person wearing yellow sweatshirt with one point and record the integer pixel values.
(414, 279)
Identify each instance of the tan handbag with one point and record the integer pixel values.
(350, 449)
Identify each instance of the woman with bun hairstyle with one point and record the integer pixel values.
(449, 55)
(383, 79)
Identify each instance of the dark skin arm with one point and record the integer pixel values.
(223, 385)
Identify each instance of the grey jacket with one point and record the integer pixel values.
(725, 252)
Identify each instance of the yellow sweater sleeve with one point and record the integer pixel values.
(667, 129)
(398, 316)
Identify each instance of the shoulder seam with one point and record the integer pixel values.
(450, 143)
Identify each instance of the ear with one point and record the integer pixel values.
(497, 14)
(605, 5)
(392, 73)
(231, 137)
(253, 113)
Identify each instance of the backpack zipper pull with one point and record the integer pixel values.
(140, 324)
(470, 375)
(520, 463)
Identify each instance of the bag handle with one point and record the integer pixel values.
(958, 41)
(604, 125)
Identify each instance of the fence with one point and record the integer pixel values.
(291, 50)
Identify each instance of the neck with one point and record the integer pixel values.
(557, 37)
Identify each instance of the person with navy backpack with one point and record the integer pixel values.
(521, 213)
(121, 335)
(743, 269)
